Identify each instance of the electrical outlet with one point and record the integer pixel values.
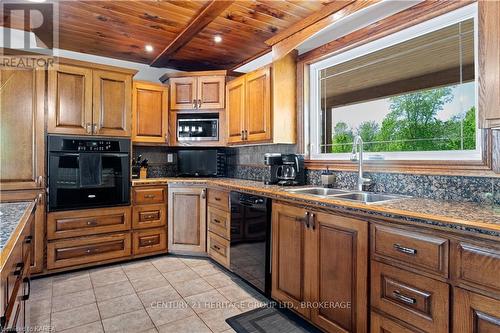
(170, 158)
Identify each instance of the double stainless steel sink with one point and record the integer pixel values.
(363, 197)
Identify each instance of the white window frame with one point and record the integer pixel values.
(312, 130)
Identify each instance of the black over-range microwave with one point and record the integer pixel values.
(88, 172)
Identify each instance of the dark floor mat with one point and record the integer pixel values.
(270, 320)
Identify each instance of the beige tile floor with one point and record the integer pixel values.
(161, 294)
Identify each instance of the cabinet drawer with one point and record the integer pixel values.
(218, 249)
(420, 301)
(87, 222)
(65, 253)
(415, 249)
(147, 241)
(149, 195)
(381, 324)
(149, 216)
(219, 199)
(477, 265)
(219, 222)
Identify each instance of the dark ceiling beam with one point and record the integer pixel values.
(211, 11)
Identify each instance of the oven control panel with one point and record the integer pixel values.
(90, 145)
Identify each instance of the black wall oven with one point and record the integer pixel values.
(88, 172)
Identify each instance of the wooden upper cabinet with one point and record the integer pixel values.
(235, 96)
(474, 313)
(187, 230)
(340, 273)
(183, 93)
(197, 92)
(290, 251)
(22, 100)
(210, 92)
(258, 106)
(267, 110)
(112, 103)
(89, 101)
(149, 113)
(489, 66)
(70, 100)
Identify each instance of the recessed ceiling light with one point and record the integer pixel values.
(149, 48)
(217, 39)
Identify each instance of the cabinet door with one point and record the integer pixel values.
(340, 274)
(112, 103)
(474, 313)
(22, 97)
(290, 257)
(149, 113)
(187, 231)
(210, 92)
(70, 100)
(489, 68)
(235, 110)
(183, 93)
(258, 106)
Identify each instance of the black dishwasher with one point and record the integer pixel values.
(250, 239)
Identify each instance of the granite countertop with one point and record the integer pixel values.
(11, 215)
(463, 216)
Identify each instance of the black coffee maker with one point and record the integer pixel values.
(285, 169)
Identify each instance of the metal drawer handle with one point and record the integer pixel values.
(217, 221)
(149, 216)
(405, 250)
(92, 250)
(27, 280)
(149, 196)
(217, 199)
(215, 247)
(92, 222)
(28, 239)
(405, 299)
(19, 269)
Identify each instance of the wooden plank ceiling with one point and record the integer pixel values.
(181, 32)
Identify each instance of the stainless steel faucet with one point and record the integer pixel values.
(354, 157)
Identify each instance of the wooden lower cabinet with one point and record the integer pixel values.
(218, 249)
(84, 250)
(381, 324)
(38, 225)
(187, 230)
(418, 300)
(85, 222)
(15, 266)
(149, 241)
(474, 313)
(291, 245)
(149, 216)
(320, 267)
(340, 273)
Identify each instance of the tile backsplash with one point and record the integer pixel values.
(247, 163)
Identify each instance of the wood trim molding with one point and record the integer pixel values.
(209, 13)
(481, 168)
(286, 45)
(308, 21)
(419, 13)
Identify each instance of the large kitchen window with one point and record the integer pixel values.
(410, 96)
